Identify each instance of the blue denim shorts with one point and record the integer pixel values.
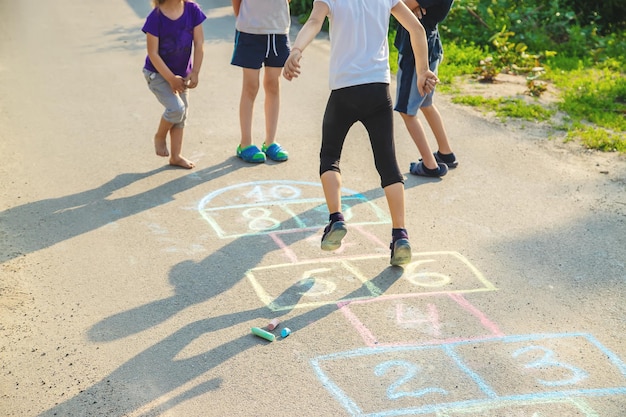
(408, 98)
(176, 105)
(254, 51)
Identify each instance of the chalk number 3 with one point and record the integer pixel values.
(548, 360)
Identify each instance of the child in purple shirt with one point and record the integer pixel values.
(173, 30)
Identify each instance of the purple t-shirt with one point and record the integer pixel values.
(175, 37)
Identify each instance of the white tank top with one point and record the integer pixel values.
(264, 17)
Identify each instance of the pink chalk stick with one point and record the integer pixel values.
(273, 324)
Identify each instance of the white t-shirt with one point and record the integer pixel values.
(359, 49)
(264, 17)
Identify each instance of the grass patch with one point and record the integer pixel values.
(594, 95)
(507, 107)
(597, 138)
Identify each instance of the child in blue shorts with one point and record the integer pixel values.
(261, 39)
(409, 100)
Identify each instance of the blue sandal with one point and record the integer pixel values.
(251, 154)
(275, 152)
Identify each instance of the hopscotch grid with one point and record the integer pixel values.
(285, 248)
(493, 405)
(336, 391)
(223, 235)
(372, 237)
(376, 293)
(484, 387)
(315, 200)
(481, 404)
(450, 348)
(348, 196)
(341, 397)
(282, 196)
(370, 339)
(293, 215)
(373, 289)
(484, 320)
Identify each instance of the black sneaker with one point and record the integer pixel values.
(333, 233)
(448, 159)
(400, 252)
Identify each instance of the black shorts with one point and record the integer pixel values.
(254, 51)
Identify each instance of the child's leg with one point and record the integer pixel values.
(175, 110)
(160, 138)
(394, 194)
(176, 138)
(400, 246)
(433, 117)
(249, 91)
(271, 86)
(336, 229)
(331, 184)
(417, 133)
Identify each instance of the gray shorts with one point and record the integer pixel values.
(176, 105)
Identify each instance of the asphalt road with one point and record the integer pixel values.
(129, 288)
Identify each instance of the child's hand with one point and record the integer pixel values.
(192, 80)
(426, 82)
(292, 66)
(178, 84)
(419, 11)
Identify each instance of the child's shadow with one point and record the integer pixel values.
(193, 282)
(197, 282)
(41, 224)
(170, 369)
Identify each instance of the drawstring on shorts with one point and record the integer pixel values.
(273, 45)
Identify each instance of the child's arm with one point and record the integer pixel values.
(198, 55)
(236, 6)
(176, 81)
(426, 79)
(307, 33)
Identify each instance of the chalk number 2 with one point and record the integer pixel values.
(410, 371)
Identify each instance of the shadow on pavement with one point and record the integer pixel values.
(195, 282)
(41, 224)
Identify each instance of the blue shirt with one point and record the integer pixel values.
(436, 12)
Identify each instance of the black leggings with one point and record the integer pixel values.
(371, 105)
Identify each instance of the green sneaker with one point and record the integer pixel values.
(251, 154)
(275, 152)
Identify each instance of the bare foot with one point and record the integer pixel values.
(181, 161)
(160, 146)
